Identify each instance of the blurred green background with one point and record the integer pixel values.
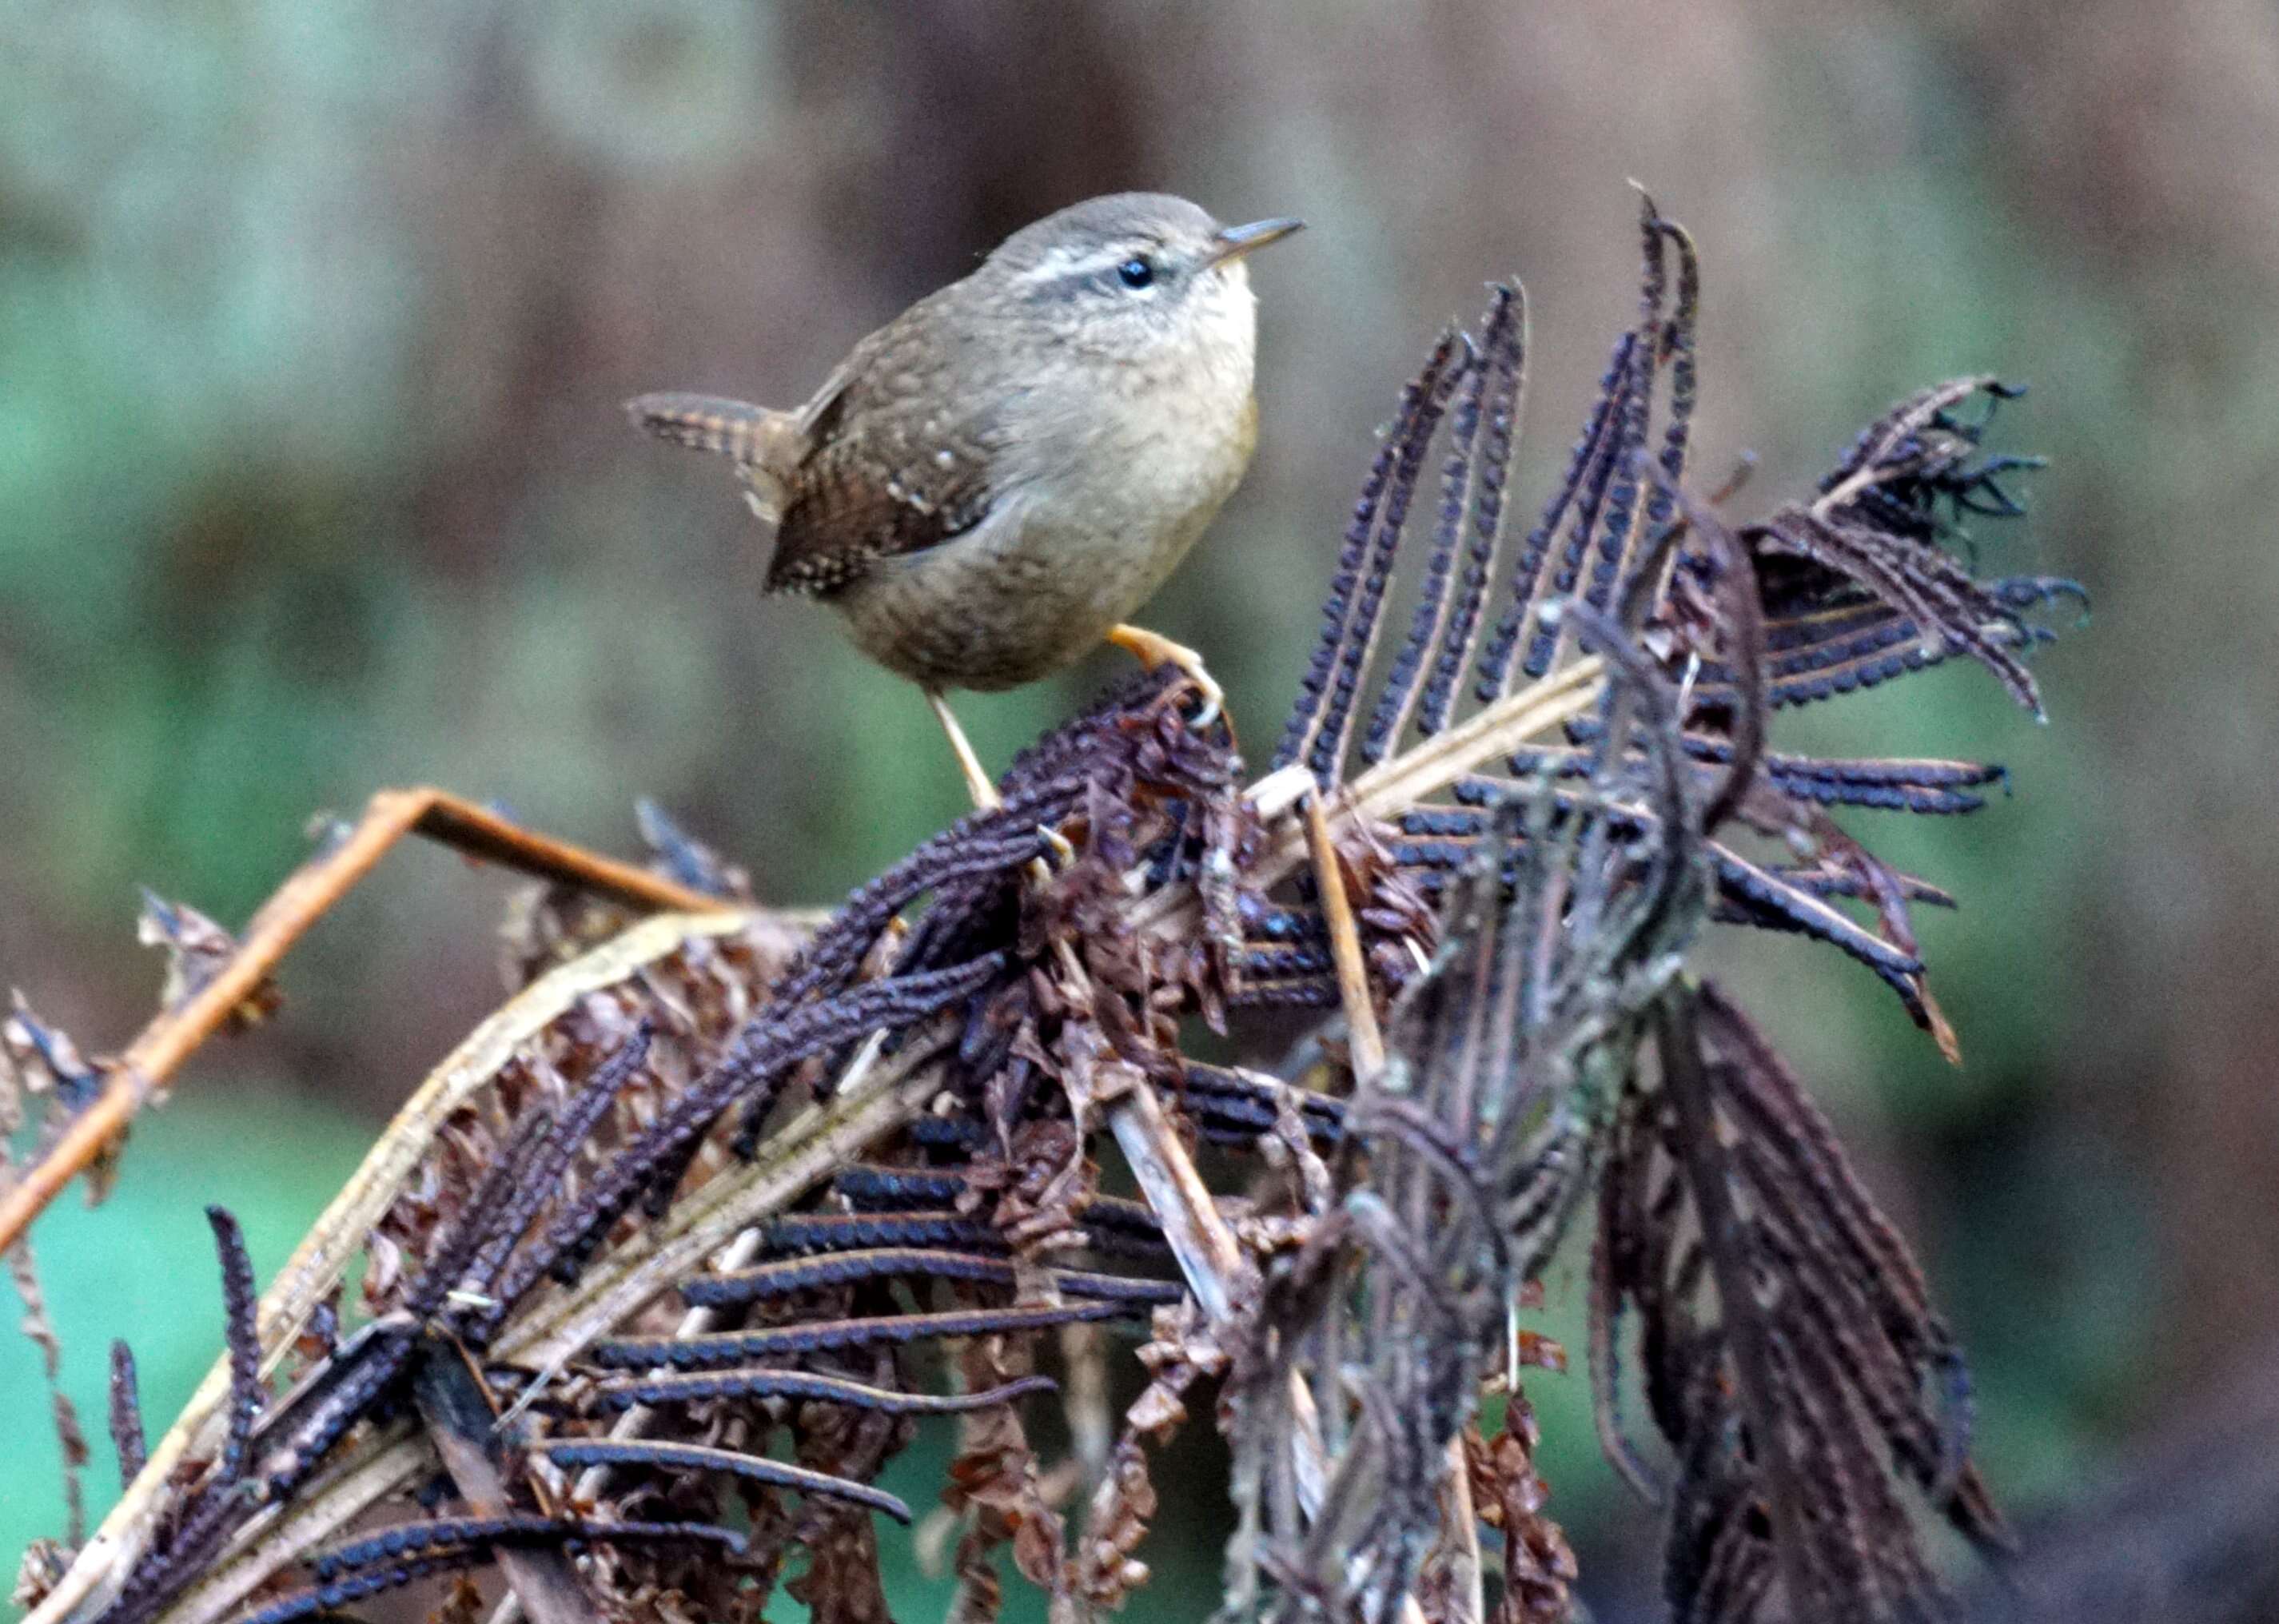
(314, 321)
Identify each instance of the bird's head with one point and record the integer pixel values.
(1137, 277)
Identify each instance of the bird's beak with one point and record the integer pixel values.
(1233, 241)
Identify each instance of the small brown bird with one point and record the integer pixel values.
(993, 480)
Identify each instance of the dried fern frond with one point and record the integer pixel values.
(1465, 1151)
(1789, 1351)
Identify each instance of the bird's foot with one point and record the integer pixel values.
(1152, 649)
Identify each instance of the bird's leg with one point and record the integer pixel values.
(977, 783)
(985, 795)
(1152, 649)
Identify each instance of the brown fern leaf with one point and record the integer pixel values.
(1788, 1349)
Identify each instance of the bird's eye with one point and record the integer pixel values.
(1137, 272)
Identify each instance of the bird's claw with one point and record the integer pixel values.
(1152, 649)
(1063, 849)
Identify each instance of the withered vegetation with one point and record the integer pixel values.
(663, 1266)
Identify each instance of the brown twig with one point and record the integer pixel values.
(1209, 1255)
(1208, 1252)
(459, 1423)
(1363, 1034)
(169, 1040)
(1468, 1595)
(1365, 1040)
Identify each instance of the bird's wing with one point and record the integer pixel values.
(884, 475)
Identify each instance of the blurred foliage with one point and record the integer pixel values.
(314, 319)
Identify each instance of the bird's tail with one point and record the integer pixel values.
(752, 435)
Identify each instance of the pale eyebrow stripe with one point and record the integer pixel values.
(1061, 264)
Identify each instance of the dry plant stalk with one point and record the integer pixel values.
(220, 984)
(654, 1266)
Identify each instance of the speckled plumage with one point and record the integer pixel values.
(1007, 470)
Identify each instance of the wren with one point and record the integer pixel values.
(990, 483)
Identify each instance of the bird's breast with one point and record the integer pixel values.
(1143, 446)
